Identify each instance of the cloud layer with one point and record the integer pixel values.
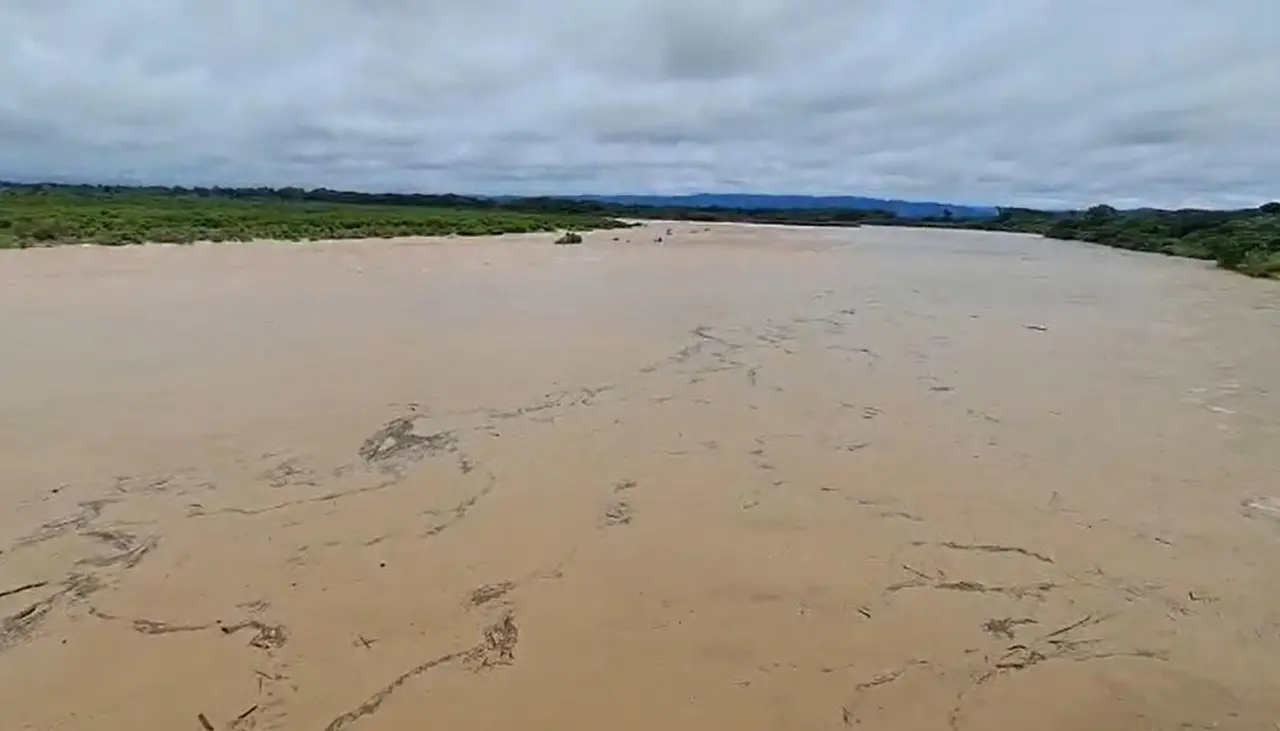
(1037, 102)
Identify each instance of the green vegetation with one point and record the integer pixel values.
(50, 214)
(46, 215)
(1247, 240)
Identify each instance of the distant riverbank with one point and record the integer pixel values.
(1246, 240)
(32, 217)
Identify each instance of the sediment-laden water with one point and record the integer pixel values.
(742, 478)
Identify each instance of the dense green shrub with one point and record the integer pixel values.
(1245, 240)
(46, 215)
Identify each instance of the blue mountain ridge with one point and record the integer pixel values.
(763, 202)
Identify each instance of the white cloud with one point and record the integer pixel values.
(1039, 102)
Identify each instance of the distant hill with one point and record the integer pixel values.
(764, 202)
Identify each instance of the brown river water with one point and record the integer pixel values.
(742, 478)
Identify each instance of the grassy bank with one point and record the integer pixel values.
(52, 215)
(1246, 240)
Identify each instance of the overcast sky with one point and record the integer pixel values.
(1037, 102)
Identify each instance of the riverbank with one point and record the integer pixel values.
(58, 216)
(1245, 240)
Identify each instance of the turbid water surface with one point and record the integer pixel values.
(742, 478)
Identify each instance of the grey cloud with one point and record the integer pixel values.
(1035, 102)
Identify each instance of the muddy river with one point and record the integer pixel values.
(742, 478)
